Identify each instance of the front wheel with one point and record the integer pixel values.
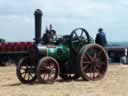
(25, 70)
(47, 70)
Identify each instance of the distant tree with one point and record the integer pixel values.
(2, 40)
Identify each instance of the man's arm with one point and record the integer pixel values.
(105, 40)
(97, 38)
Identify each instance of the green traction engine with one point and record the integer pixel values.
(70, 57)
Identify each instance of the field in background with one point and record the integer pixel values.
(115, 83)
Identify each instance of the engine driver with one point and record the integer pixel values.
(49, 35)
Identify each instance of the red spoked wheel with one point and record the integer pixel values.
(93, 62)
(47, 70)
(26, 70)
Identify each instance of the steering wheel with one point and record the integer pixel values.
(78, 38)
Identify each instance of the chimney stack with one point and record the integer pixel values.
(38, 21)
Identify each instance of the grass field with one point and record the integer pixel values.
(115, 83)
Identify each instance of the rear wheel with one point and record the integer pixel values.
(93, 62)
(47, 70)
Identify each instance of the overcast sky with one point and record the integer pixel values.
(17, 19)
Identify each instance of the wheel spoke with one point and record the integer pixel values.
(93, 75)
(25, 75)
(99, 53)
(91, 71)
(31, 75)
(48, 76)
(44, 76)
(89, 57)
(94, 71)
(76, 35)
(81, 33)
(52, 67)
(87, 62)
(85, 67)
(28, 76)
(85, 58)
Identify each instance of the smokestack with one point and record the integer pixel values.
(38, 20)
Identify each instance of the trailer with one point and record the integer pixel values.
(13, 51)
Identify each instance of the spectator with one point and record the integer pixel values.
(101, 38)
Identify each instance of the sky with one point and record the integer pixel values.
(17, 19)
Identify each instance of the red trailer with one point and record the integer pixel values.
(13, 51)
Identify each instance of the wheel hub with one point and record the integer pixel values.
(30, 70)
(48, 70)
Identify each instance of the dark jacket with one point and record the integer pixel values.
(101, 39)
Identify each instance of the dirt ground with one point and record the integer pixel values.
(115, 83)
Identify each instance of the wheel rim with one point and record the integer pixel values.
(26, 70)
(47, 71)
(78, 38)
(93, 63)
